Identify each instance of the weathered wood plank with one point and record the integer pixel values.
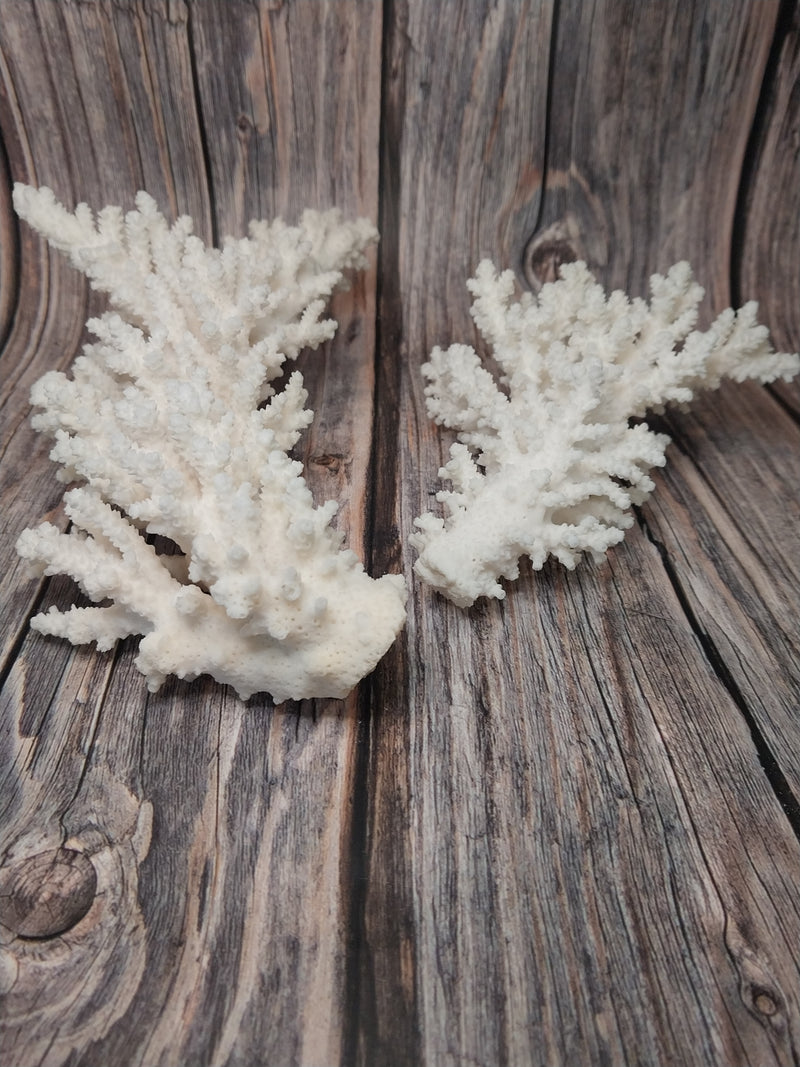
(597, 868)
(756, 552)
(231, 926)
(465, 90)
(769, 221)
(63, 128)
(290, 97)
(651, 111)
(734, 554)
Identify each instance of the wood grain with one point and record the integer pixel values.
(577, 778)
(765, 268)
(250, 806)
(559, 829)
(735, 558)
(465, 90)
(651, 111)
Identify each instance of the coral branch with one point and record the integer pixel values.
(554, 467)
(171, 422)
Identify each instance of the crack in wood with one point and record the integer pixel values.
(766, 757)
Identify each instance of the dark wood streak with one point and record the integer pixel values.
(562, 828)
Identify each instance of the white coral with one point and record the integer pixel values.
(171, 423)
(553, 465)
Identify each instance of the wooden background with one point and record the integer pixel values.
(561, 829)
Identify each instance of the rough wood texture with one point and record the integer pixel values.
(559, 829)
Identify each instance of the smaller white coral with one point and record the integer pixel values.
(554, 465)
(172, 424)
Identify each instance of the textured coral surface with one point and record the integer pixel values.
(170, 425)
(553, 463)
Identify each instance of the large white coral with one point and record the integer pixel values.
(172, 425)
(554, 465)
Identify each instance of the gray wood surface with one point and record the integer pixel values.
(559, 829)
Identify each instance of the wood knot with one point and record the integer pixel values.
(544, 262)
(244, 127)
(47, 894)
(547, 251)
(331, 461)
(353, 331)
(764, 1002)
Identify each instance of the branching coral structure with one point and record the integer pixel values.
(553, 464)
(171, 426)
